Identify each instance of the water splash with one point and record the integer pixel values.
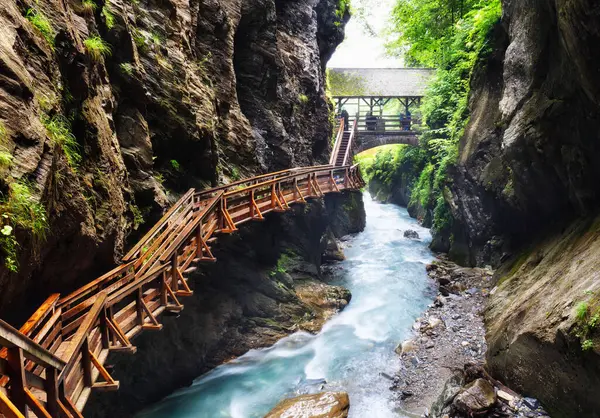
(386, 275)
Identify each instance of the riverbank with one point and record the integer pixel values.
(442, 364)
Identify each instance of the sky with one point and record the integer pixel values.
(360, 48)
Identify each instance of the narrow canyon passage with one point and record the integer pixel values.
(386, 274)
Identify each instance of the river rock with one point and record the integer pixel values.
(476, 397)
(406, 347)
(319, 405)
(409, 233)
(451, 388)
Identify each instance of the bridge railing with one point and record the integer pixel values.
(52, 364)
(386, 123)
(338, 141)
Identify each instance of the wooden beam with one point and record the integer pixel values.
(7, 408)
(10, 337)
(36, 405)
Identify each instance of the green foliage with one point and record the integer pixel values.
(126, 68)
(303, 98)
(6, 159)
(282, 263)
(453, 36)
(41, 23)
(587, 322)
(88, 6)
(343, 7)
(97, 48)
(344, 84)
(20, 209)
(109, 17)
(235, 173)
(60, 134)
(175, 165)
(581, 310)
(156, 39)
(138, 217)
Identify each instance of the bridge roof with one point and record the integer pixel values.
(378, 82)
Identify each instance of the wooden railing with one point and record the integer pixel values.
(50, 366)
(338, 142)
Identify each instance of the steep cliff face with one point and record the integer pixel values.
(527, 174)
(189, 94)
(530, 153)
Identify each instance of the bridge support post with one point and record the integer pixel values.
(17, 379)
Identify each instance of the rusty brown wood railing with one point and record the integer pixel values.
(51, 365)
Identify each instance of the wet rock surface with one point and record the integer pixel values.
(319, 405)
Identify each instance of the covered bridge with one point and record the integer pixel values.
(384, 100)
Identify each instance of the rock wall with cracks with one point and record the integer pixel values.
(193, 93)
(525, 196)
(530, 155)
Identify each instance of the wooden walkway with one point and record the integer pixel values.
(51, 365)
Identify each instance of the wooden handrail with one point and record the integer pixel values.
(349, 147)
(338, 141)
(166, 217)
(12, 338)
(106, 313)
(70, 354)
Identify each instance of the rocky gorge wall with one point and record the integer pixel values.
(189, 94)
(268, 282)
(526, 177)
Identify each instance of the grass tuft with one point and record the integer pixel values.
(97, 48)
(60, 135)
(109, 17)
(20, 209)
(88, 6)
(41, 23)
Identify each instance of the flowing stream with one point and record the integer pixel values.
(386, 274)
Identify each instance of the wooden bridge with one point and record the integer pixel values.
(53, 363)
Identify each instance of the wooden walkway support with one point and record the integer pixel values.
(52, 364)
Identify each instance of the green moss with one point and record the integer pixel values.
(41, 23)
(97, 48)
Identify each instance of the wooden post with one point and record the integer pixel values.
(138, 306)
(163, 289)
(17, 379)
(104, 331)
(51, 388)
(174, 275)
(86, 362)
(199, 241)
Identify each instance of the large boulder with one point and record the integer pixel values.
(319, 405)
(476, 398)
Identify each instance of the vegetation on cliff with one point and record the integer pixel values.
(452, 36)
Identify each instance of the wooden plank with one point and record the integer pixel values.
(18, 384)
(78, 339)
(36, 406)
(7, 408)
